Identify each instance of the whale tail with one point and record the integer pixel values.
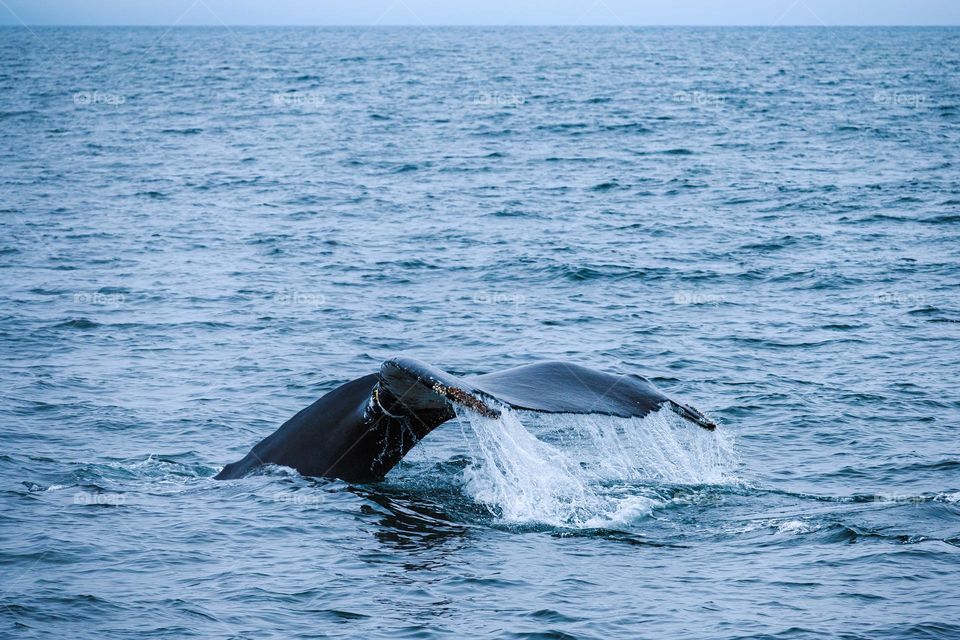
(362, 429)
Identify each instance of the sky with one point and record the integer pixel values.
(479, 12)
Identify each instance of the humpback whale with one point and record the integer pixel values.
(362, 429)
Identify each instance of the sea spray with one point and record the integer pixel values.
(583, 469)
(521, 478)
(660, 447)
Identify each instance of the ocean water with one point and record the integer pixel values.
(204, 230)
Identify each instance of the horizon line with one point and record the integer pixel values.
(497, 26)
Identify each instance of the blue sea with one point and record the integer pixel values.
(204, 230)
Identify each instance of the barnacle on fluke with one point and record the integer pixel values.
(468, 400)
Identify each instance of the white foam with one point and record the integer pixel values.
(794, 527)
(583, 471)
(625, 511)
(783, 527)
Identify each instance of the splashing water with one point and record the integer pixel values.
(659, 447)
(584, 470)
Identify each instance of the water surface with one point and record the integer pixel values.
(204, 230)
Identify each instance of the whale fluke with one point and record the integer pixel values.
(563, 387)
(362, 429)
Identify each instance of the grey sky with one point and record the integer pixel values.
(486, 12)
